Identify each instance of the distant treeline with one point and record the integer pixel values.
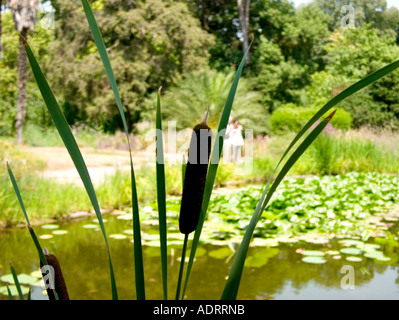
(299, 57)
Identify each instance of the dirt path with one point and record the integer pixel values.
(99, 162)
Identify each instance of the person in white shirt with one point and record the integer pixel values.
(236, 140)
(227, 144)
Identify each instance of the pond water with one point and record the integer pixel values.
(275, 272)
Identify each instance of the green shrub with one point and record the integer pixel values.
(291, 118)
(39, 137)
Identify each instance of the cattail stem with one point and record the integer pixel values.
(183, 257)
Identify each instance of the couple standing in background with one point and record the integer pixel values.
(233, 141)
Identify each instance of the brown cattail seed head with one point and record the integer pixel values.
(59, 283)
(195, 177)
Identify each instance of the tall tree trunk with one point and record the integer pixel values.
(21, 99)
(243, 15)
(1, 27)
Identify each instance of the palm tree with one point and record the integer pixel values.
(188, 99)
(24, 13)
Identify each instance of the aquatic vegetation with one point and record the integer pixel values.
(328, 204)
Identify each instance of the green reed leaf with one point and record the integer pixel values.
(231, 288)
(161, 196)
(31, 231)
(16, 282)
(138, 251)
(72, 147)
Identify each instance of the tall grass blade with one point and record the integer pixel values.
(161, 197)
(138, 255)
(213, 166)
(72, 147)
(233, 281)
(9, 293)
(29, 294)
(31, 231)
(16, 282)
(183, 170)
(16, 190)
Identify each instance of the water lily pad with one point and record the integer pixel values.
(261, 257)
(314, 259)
(153, 243)
(127, 216)
(59, 232)
(151, 237)
(220, 253)
(50, 226)
(128, 231)
(38, 283)
(175, 235)
(7, 278)
(23, 278)
(90, 226)
(369, 247)
(36, 274)
(200, 252)
(118, 236)
(351, 242)
(313, 253)
(354, 259)
(259, 242)
(13, 289)
(45, 236)
(332, 252)
(378, 255)
(351, 251)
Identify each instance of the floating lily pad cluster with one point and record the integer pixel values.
(53, 229)
(352, 250)
(338, 204)
(25, 280)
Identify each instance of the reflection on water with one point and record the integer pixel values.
(270, 273)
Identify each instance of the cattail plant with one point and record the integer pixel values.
(59, 283)
(194, 184)
(195, 176)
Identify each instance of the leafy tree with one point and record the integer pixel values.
(372, 12)
(35, 112)
(305, 36)
(282, 69)
(221, 18)
(351, 55)
(275, 77)
(150, 43)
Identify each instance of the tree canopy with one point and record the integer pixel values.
(299, 56)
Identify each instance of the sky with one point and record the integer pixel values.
(389, 2)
